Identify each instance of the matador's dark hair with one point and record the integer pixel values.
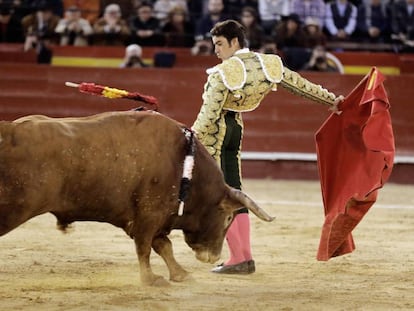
(230, 29)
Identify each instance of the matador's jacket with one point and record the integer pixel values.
(239, 84)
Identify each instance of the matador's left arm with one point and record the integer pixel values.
(279, 74)
(298, 85)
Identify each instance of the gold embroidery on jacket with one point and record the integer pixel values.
(298, 85)
(240, 85)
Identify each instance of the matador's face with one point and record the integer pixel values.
(223, 48)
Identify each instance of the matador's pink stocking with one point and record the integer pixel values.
(243, 221)
(238, 240)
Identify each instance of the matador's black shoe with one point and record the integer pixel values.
(245, 267)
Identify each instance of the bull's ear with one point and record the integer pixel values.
(244, 200)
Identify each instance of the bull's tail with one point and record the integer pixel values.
(187, 169)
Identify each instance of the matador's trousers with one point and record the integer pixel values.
(230, 152)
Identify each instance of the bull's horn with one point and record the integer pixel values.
(246, 201)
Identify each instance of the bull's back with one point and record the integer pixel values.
(98, 159)
(96, 136)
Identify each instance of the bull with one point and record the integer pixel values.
(122, 168)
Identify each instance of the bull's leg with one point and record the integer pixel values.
(162, 245)
(12, 217)
(148, 277)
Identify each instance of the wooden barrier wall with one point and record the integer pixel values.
(283, 122)
(354, 62)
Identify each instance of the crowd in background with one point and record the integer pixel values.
(272, 25)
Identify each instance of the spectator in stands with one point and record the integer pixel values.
(195, 10)
(357, 3)
(178, 30)
(162, 8)
(271, 12)
(39, 31)
(314, 34)
(269, 46)
(341, 18)
(133, 57)
(402, 22)
(126, 6)
(90, 9)
(136, 3)
(233, 8)
(19, 8)
(290, 41)
(320, 62)
(41, 22)
(251, 3)
(254, 31)
(56, 6)
(10, 26)
(111, 28)
(373, 22)
(314, 9)
(203, 45)
(207, 21)
(73, 29)
(289, 32)
(145, 28)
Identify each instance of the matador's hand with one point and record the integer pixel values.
(334, 107)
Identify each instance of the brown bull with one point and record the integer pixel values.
(123, 168)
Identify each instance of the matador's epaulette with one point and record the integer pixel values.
(233, 70)
(272, 67)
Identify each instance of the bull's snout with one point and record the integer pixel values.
(206, 256)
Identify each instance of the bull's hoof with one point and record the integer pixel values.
(180, 277)
(160, 282)
(157, 281)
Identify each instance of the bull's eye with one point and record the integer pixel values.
(228, 220)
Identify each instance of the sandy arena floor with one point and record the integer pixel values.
(95, 266)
